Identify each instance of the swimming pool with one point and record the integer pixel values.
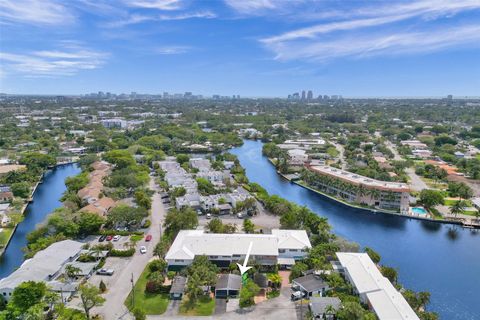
(419, 210)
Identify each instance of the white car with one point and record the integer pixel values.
(116, 238)
(143, 250)
(209, 216)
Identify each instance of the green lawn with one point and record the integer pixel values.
(203, 307)
(451, 202)
(4, 236)
(150, 303)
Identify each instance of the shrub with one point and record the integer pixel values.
(122, 253)
(102, 286)
(157, 265)
(147, 224)
(139, 314)
(153, 287)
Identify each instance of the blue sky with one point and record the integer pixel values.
(246, 47)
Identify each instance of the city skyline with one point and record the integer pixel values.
(255, 48)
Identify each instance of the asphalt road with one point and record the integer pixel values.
(114, 307)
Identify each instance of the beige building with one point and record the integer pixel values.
(359, 189)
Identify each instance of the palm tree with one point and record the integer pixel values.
(276, 280)
(458, 208)
(330, 310)
(71, 271)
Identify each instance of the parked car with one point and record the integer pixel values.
(297, 295)
(239, 215)
(148, 237)
(199, 212)
(105, 272)
(116, 238)
(109, 238)
(102, 238)
(143, 250)
(209, 216)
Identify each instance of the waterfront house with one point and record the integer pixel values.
(46, 265)
(223, 249)
(373, 288)
(358, 189)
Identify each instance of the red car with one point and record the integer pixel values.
(148, 237)
(109, 238)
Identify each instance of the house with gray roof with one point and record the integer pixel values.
(46, 265)
(324, 307)
(228, 285)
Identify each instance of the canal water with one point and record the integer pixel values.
(439, 258)
(45, 199)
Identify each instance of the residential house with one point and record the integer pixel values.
(310, 284)
(324, 307)
(228, 285)
(6, 194)
(46, 265)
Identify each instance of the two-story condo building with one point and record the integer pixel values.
(279, 247)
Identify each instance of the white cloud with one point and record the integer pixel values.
(37, 12)
(381, 15)
(138, 18)
(191, 15)
(172, 50)
(252, 6)
(155, 4)
(364, 33)
(68, 60)
(379, 44)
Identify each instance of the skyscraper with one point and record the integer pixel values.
(309, 95)
(303, 94)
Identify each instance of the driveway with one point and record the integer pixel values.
(172, 309)
(113, 307)
(220, 306)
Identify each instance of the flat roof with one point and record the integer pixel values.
(360, 180)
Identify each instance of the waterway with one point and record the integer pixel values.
(439, 258)
(45, 199)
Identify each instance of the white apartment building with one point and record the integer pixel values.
(373, 288)
(223, 249)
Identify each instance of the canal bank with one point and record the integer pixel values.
(439, 258)
(46, 198)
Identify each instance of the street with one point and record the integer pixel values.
(114, 307)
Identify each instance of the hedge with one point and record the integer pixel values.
(122, 253)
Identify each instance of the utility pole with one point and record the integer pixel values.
(133, 293)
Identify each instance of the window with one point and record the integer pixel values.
(213, 257)
(281, 250)
(178, 260)
(293, 250)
